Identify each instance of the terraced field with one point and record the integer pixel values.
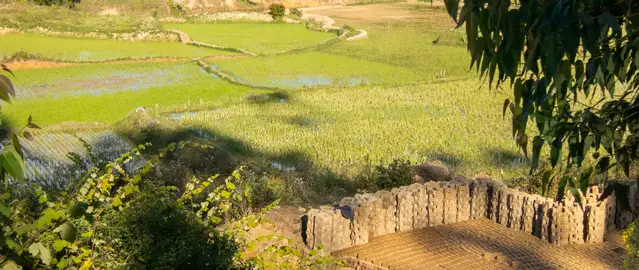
(54, 159)
(108, 92)
(340, 108)
(315, 69)
(261, 38)
(96, 50)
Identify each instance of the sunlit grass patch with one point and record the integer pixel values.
(408, 46)
(108, 92)
(344, 129)
(264, 38)
(316, 69)
(89, 50)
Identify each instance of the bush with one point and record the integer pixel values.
(277, 11)
(69, 3)
(314, 25)
(347, 29)
(154, 232)
(396, 174)
(297, 12)
(631, 237)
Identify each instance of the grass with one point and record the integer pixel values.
(108, 92)
(29, 16)
(409, 46)
(408, 98)
(315, 69)
(343, 129)
(263, 38)
(85, 50)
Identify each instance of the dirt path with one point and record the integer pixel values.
(481, 244)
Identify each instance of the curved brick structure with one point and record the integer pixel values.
(357, 219)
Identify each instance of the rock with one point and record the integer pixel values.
(431, 171)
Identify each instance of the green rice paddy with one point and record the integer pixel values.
(262, 38)
(108, 92)
(95, 50)
(341, 107)
(316, 69)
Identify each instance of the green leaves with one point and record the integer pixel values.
(554, 88)
(7, 90)
(67, 231)
(451, 7)
(5, 210)
(59, 245)
(47, 217)
(11, 162)
(38, 250)
(78, 209)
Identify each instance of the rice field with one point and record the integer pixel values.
(49, 157)
(108, 92)
(315, 69)
(261, 38)
(345, 129)
(340, 108)
(96, 50)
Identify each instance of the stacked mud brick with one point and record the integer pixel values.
(356, 219)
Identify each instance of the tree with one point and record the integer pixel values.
(69, 3)
(277, 11)
(573, 69)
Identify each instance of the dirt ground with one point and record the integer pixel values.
(359, 16)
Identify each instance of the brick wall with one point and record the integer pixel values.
(356, 219)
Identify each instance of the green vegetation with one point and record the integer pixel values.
(555, 84)
(73, 93)
(277, 11)
(64, 19)
(69, 3)
(107, 217)
(631, 238)
(316, 69)
(410, 46)
(263, 38)
(344, 129)
(94, 50)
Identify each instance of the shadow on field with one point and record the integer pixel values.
(274, 97)
(502, 157)
(292, 174)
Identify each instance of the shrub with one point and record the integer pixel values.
(631, 237)
(154, 232)
(314, 25)
(69, 3)
(347, 29)
(297, 12)
(396, 174)
(277, 11)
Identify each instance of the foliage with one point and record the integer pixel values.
(69, 3)
(114, 220)
(349, 30)
(277, 11)
(314, 25)
(396, 174)
(29, 17)
(297, 12)
(577, 79)
(631, 239)
(156, 232)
